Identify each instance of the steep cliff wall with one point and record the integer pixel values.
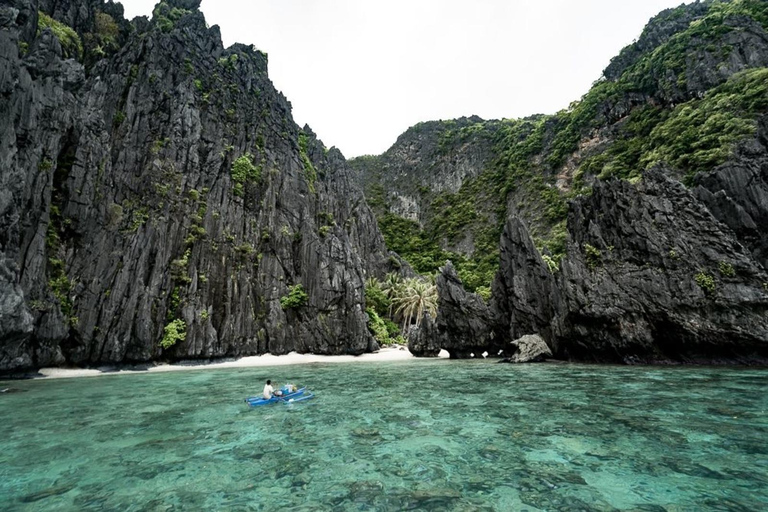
(155, 190)
(646, 263)
(689, 92)
(430, 194)
(651, 276)
(158, 201)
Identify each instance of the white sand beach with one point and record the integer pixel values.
(385, 354)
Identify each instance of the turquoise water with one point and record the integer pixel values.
(422, 435)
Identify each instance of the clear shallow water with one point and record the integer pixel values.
(423, 435)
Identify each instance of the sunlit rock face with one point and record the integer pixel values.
(157, 189)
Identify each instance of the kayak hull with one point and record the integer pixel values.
(287, 395)
(257, 401)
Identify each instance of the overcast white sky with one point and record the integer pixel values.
(360, 72)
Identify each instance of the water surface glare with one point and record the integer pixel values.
(416, 435)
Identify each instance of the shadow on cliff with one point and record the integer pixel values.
(650, 276)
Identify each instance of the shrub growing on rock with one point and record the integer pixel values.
(70, 41)
(296, 297)
(174, 332)
(706, 282)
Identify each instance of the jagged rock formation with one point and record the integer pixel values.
(710, 57)
(525, 297)
(463, 325)
(691, 94)
(688, 92)
(156, 188)
(158, 201)
(423, 157)
(418, 190)
(663, 27)
(651, 276)
(531, 348)
(737, 194)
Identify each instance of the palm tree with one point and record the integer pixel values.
(390, 286)
(413, 299)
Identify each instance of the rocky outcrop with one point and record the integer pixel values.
(163, 192)
(427, 163)
(704, 57)
(653, 271)
(737, 194)
(530, 349)
(427, 155)
(424, 341)
(652, 276)
(659, 30)
(525, 296)
(463, 325)
(158, 201)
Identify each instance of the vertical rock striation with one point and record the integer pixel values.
(163, 192)
(651, 276)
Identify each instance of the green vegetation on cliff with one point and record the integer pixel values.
(693, 137)
(479, 207)
(295, 298)
(165, 16)
(684, 95)
(71, 44)
(173, 333)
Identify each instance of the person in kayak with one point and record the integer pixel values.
(269, 391)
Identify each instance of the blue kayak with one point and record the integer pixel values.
(256, 401)
(285, 394)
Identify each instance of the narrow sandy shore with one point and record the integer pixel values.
(385, 354)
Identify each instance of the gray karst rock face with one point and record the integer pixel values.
(462, 326)
(167, 182)
(647, 271)
(737, 194)
(424, 341)
(740, 44)
(157, 201)
(430, 161)
(651, 276)
(530, 349)
(524, 291)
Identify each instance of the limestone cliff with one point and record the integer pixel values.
(607, 254)
(651, 276)
(155, 189)
(690, 92)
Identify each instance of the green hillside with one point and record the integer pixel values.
(686, 93)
